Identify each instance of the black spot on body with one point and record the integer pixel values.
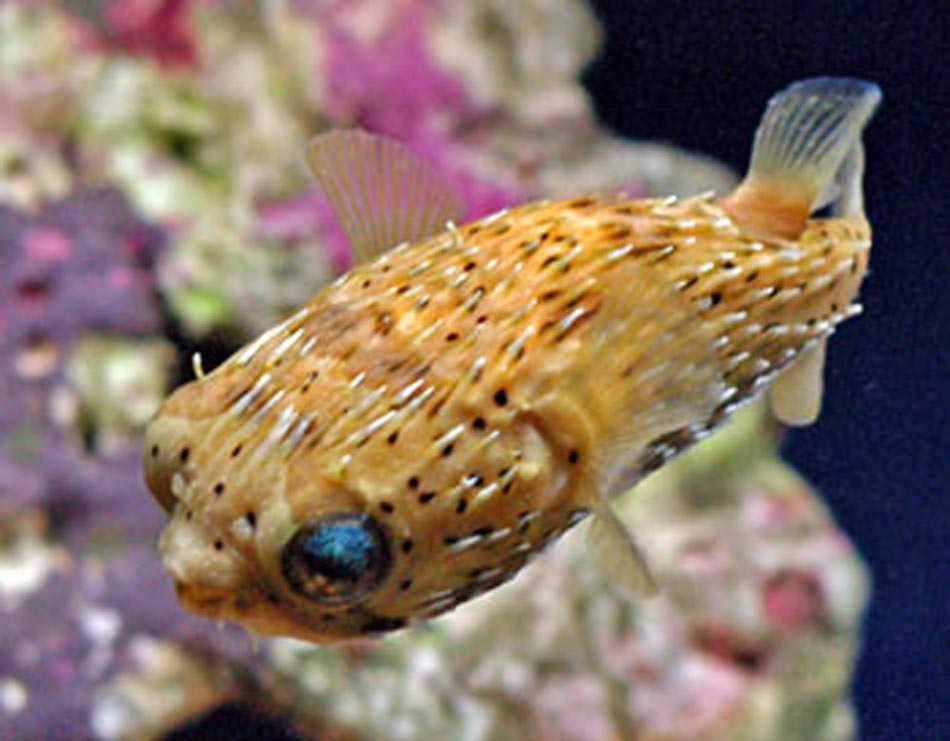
(219, 489)
(154, 451)
(573, 457)
(461, 506)
(447, 450)
(405, 584)
(479, 423)
(393, 437)
(184, 454)
(407, 546)
(387, 507)
(426, 496)
(218, 545)
(236, 451)
(501, 397)
(413, 482)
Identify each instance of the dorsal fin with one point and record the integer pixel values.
(381, 192)
(800, 147)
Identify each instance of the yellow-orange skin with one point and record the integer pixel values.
(430, 340)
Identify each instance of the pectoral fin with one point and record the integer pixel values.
(380, 191)
(650, 367)
(617, 553)
(796, 394)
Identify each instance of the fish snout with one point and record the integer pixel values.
(206, 568)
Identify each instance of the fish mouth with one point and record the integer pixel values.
(210, 602)
(221, 605)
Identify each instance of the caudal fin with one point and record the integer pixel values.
(807, 154)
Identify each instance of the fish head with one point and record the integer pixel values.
(280, 549)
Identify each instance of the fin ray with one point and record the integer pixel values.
(804, 143)
(808, 128)
(380, 191)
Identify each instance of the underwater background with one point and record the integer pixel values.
(151, 205)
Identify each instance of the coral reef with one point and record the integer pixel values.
(154, 200)
(84, 365)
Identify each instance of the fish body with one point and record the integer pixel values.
(424, 426)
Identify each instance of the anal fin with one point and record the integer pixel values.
(795, 395)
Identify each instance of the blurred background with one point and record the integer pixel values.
(154, 202)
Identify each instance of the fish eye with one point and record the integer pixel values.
(337, 559)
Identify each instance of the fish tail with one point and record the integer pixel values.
(807, 155)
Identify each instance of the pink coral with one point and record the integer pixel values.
(160, 29)
(794, 600)
(390, 84)
(307, 215)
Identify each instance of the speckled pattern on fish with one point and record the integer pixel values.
(417, 432)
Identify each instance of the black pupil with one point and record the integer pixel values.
(337, 559)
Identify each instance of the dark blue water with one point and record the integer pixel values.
(699, 77)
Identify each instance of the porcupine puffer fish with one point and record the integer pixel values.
(421, 428)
